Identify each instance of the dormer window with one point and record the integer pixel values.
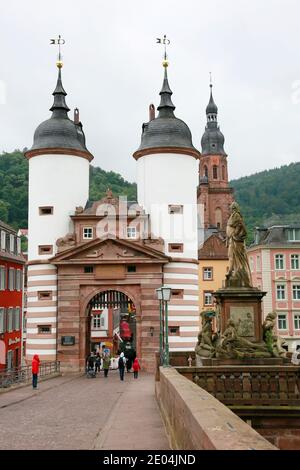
(131, 232)
(87, 233)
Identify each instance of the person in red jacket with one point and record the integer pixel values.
(136, 367)
(35, 370)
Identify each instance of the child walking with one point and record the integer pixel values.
(136, 367)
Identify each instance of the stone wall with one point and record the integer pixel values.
(195, 420)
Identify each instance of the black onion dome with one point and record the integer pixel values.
(166, 130)
(59, 131)
(213, 140)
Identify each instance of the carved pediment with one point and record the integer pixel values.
(109, 250)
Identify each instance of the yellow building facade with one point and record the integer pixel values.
(213, 266)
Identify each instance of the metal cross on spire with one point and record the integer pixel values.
(58, 42)
(210, 80)
(165, 41)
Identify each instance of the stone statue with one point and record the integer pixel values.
(274, 342)
(233, 346)
(239, 272)
(66, 242)
(206, 338)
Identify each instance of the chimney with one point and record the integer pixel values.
(151, 112)
(76, 116)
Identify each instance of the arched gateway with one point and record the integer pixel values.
(115, 279)
(111, 324)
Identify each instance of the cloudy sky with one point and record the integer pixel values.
(112, 72)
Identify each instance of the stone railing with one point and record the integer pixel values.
(195, 420)
(248, 385)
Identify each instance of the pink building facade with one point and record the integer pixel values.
(274, 261)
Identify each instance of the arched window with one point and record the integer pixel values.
(223, 172)
(218, 217)
(205, 171)
(215, 172)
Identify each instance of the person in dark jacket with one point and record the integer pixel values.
(35, 366)
(97, 363)
(121, 365)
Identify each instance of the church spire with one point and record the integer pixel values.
(213, 140)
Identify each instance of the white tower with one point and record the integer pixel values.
(58, 182)
(167, 179)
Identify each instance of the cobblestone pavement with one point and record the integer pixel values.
(81, 413)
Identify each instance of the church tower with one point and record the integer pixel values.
(58, 182)
(214, 193)
(167, 180)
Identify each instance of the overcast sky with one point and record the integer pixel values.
(112, 72)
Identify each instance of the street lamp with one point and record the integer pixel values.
(164, 296)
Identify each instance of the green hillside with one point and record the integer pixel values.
(268, 197)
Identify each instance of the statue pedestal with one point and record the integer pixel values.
(243, 306)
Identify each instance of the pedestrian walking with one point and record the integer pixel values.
(35, 366)
(97, 363)
(136, 367)
(121, 365)
(106, 364)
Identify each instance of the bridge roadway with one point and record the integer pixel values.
(81, 413)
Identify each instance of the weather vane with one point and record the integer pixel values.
(58, 42)
(165, 41)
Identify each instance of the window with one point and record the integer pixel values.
(205, 171)
(173, 209)
(2, 320)
(44, 329)
(11, 279)
(45, 295)
(88, 269)
(131, 232)
(223, 172)
(207, 274)
(46, 210)
(97, 321)
(215, 172)
(258, 263)
(18, 245)
(208, 298)
(177, 293)
(131, 268)
(294, 235)
(16, 321)
(45, 249)
(282, 323)
(280, 291)
(296, 292)
(279, 262)
(173, 330)
(10, 313)
(295, 262)
(102, 321)
(3, 240)
(18, 279)
(2, 277)
(87, 233)
(251, 262)
(297, 322)
(11, 243)
(176, 247)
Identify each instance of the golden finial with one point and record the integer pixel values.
(58, 42)
(165, 42)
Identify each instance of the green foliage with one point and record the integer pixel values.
(270, 197)
(267, 198)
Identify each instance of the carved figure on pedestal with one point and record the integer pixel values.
(66, 242)
(239, 272)
(274, 342)
(206, 338)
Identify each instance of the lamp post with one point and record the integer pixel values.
(161, 342)
(164, 295)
